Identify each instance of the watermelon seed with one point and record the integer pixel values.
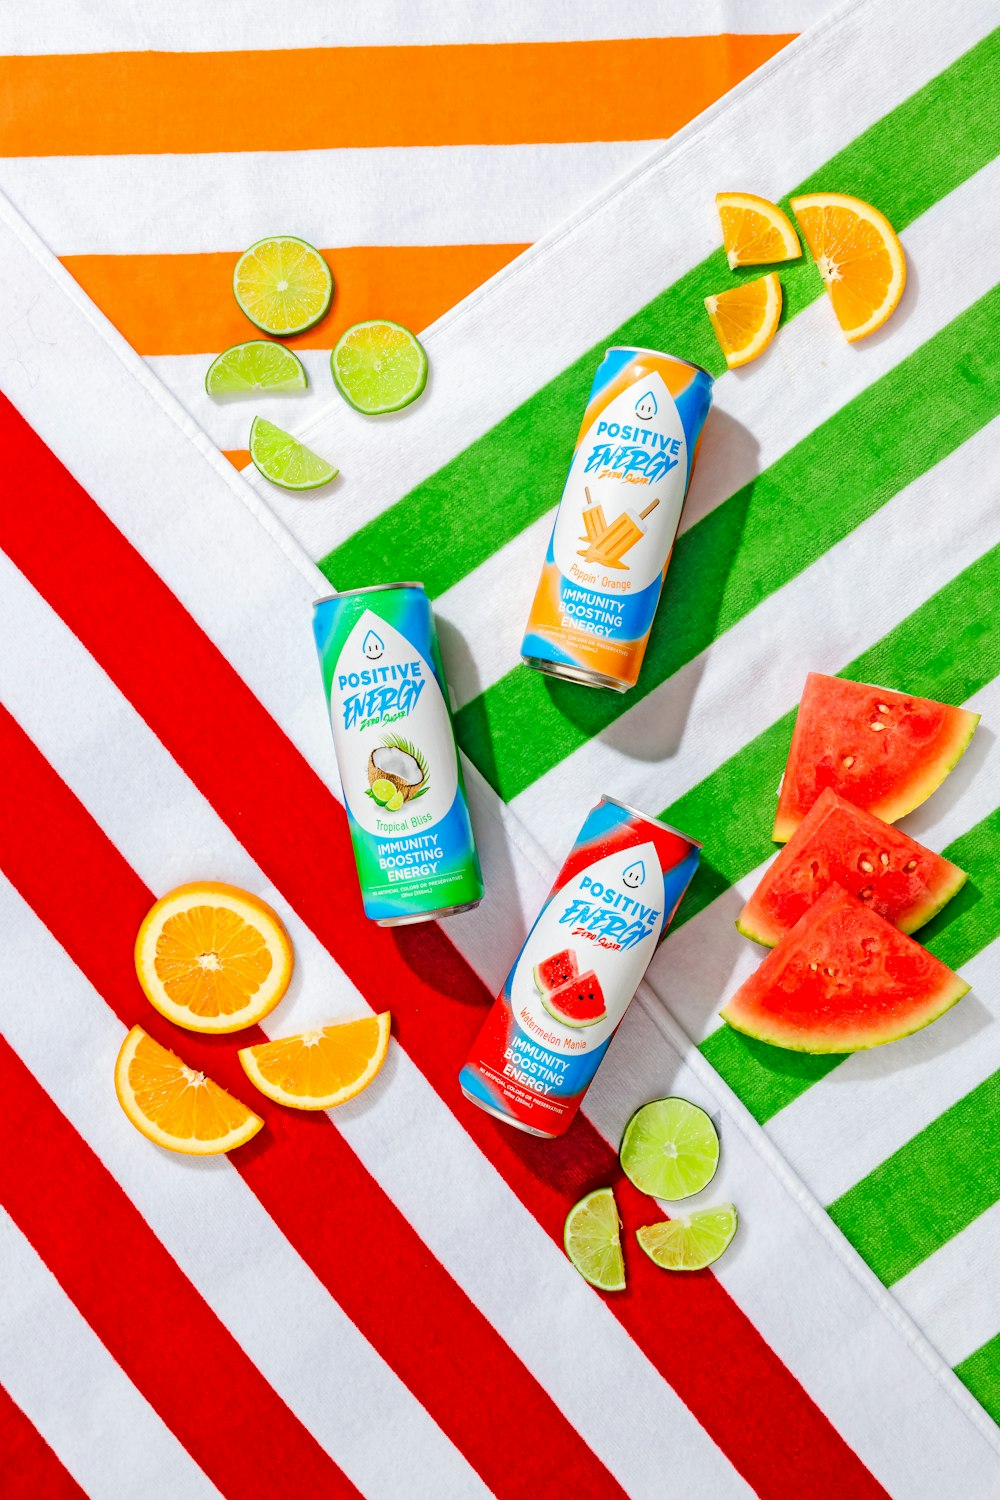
(814, 967)
(865, 894)
(830, 971)
(847, 761)
(910, 867)
(866, 865)
(883, 708)
(877, 726)
(884, 857)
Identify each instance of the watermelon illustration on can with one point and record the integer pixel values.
(581, 963)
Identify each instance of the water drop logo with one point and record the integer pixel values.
(646, 407)
(634, 876)
(372, 646)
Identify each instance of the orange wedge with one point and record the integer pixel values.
(319, 1069)
(755, 231)
(212, 957)
(171, 1104)
(746, 317)
(859, 257)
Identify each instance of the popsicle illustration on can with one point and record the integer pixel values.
(623, 497)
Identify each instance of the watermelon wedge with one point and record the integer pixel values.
(579, 1002)
(555, 971)
(838, 843)
(882, 750)
(842, 980)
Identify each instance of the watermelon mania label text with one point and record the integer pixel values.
(378, 691)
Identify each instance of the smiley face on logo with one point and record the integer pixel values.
(634, 876)
(372, 647)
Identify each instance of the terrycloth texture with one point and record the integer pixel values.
(842, 518)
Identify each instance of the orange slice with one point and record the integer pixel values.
(171, 1104)
(318, 1069)
(746, 317)
(755, 231)
(859, 257)
(212, 957)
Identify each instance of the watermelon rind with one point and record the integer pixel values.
(754, 920)
(918, 786)
(794, 1036)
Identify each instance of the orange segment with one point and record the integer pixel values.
(319, 1069)
(755, 231)
(859, 257)
(173, 1105)
(746, 317)
(212, 957)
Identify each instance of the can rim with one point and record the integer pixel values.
(371, 588)
(660, 354)
(646, 818)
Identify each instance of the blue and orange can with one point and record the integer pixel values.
(616, 523)
(579, 967)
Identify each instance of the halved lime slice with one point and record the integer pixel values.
(283, 284)
(255, 366)
(691, 1241)
(283, 460)
(395, 802)
(379, 367)
(592, 1238)
(383, 789)
(670, 1149)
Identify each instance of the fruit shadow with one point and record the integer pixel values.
(687, 620)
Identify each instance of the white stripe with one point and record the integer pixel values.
(955, 1293)
(706, 960)
(808, 375)
(516, 1275)
(754, 673)
(191, 26)
(62, 1377)
(413, 195)
(619, 253)
(220, 1236)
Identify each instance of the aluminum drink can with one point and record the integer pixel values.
(580, 965)
(617, 519)
(403, 790)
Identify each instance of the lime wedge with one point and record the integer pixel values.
(379, 367)
(691, 1241)
(383, 789)
(283, 460)
(395, 802)
(283, 284)
(592, 1238)
(670, 1149)
(256, 366)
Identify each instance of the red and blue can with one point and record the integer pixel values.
(580, 966)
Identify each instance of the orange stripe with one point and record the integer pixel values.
(238, 457)
(114, 103)
(183, 304)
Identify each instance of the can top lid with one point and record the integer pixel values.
(646, 818)
(661, 354)
(372, 588)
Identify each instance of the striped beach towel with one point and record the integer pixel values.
(377, 1302)
(842, 519)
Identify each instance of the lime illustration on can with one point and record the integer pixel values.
(403, 789)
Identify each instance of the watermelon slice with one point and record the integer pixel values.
(843, 979)
(883, 751)
(835, 842)
(555, 971)
(579, 1002)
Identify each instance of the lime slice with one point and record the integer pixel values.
(395, 802)
(283, 460)
(256, 366)
(593, 1240)
(691, 1241)
(283, 284)
(670, 1149)
(379, 367)
(383, 789)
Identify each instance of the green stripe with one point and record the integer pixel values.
(981, 1373)
(769, 1078)
(758, 540)
(905, 162)
(929, 1190)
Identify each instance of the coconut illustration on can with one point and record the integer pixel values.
(399, 765)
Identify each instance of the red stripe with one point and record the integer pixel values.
(357, 1242)
(294, 828)
(145, 1311)
(29, 1470)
